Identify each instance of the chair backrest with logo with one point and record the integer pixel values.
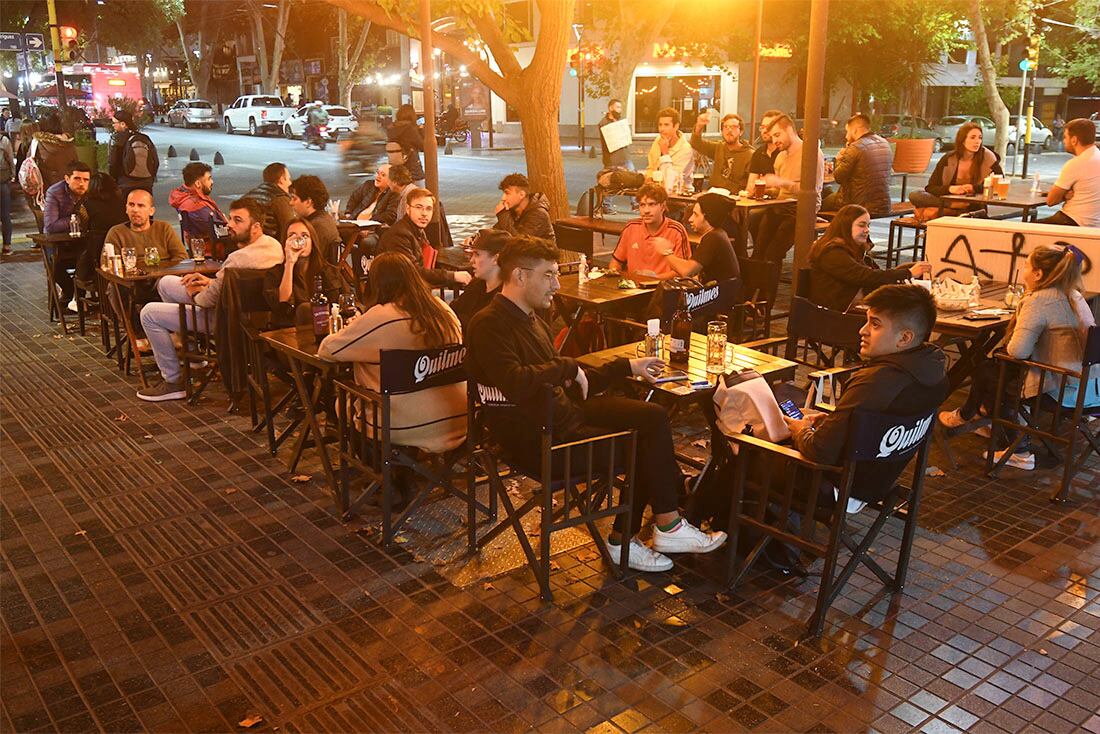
(403, 371)
(818, 336)
(704, 302)
(882, 437)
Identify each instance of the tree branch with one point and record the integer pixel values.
(490, 34)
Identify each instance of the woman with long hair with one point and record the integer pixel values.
(292, 282)
(1050, 326)
(962, 171)
(410, 137)
(403, 314)
(841, 266)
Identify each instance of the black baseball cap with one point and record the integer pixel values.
(490, 240)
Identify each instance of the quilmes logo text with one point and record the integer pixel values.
(900, 438)
(490, 395)
(427, 366)
(702, 297)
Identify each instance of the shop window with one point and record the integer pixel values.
(685, 94)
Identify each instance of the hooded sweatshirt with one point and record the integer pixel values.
(535, 219)
(905, 383)
(199, 214)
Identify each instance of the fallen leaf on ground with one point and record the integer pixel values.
(81, 532)
(121, 417)
(1042, 651)
(637, 624)
(487, 586)
(230, 490)
(400, 539)
(722, 598)
(301, 478)
(554, 566)
(250, 721)
(702, 443)
(147, 435)
(934, 471)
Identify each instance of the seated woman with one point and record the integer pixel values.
(841, 266)
(291, 283)
(962, 171)
(1051, 325)
(484, 247)
(405, 315)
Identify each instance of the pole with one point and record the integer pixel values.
(1027, 128)
(1020, 116)
(431, 152)
(815, 81)
(55, 39)
(27, 91)
(580, 105)
(756, 63)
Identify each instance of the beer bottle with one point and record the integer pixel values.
(319, 305)
(680, 341)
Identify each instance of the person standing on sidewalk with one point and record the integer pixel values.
(132, 157)
(7, 178)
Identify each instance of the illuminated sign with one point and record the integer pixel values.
(776, 51)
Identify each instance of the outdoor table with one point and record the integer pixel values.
(298, 346)
(124, 287)
(602, 295)
(52, 246)
(742, 207)
(453, 258)
(601, 226)
(1020, 196)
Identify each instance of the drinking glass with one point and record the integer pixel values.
(1013, 294)
(129, 259)
(1002, 188)
(716, 346)
(348, 307)
(198, 250)
(152, 257)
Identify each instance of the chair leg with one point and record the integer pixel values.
(1062, 492)
(545, 522)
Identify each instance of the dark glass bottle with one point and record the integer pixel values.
(680, 342)
(319, 305)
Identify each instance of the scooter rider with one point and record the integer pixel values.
(317, 117)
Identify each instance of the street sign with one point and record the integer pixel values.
(35, 41)
(11, 42)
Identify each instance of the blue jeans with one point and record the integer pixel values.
(5, 210)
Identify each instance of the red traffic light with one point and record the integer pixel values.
(68, 34)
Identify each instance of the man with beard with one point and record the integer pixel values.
(255, 251)
(619, 158)
(731, 156)
(407, 237)
(776, 235)
(200, 216)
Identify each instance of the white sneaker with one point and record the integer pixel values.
(642, 557)
(952, 419)
(1025, 461)
(73, 307)
(983, 431)
(686, 538)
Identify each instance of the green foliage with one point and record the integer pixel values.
(136, 26)
(972, 100)
(1072, 52)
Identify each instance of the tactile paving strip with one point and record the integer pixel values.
(170, 540)
(253, 620)
(205, 578)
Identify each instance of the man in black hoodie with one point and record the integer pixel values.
(904, 375)
(523, 212)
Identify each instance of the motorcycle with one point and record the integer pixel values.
(460, 133)
(316, 135)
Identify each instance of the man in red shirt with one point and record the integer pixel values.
(644, 240)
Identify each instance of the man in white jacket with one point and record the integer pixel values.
(670, 157)
(256, 251)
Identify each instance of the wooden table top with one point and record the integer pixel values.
(297, 342)
(605, 289)
(773, 369)
(145, 273)
(602, 225)
(57, 238)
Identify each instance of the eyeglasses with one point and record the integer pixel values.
(550, 275)
(428, 208)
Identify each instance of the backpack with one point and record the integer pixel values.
(396, 154)
(139, 159)
(30, 176)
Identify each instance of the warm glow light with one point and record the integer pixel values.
(116, 82)
(777, 51)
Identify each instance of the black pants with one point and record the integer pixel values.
(1059, 217)
(983, 394)
(776, 235)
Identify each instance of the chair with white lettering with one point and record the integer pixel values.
(367, 446)
(584, 473)
(705, 303)
(780, 495)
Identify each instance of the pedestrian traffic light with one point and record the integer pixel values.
(70, 46)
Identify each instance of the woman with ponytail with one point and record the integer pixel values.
(1050, 326)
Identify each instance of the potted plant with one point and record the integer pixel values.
(86, 147)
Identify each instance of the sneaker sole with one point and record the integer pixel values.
(180, 395)
(661, 548)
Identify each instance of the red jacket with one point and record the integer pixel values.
(199, 214)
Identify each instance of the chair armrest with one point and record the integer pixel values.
(359, 391)
(833, 371)
(591, 439)
(1002, 356)
(784, 451)
(766, 345)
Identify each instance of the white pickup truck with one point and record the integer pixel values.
(256, 113)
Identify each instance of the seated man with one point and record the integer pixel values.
(308, 199)
(143, 232)
(644, 241)
(64, 199)
(373, 201)
(862, 169)
(1078, 184)
(408, 238)
(731, 156)
(670, 161)
(713, 259)
(776, 234)
(274, 195)
(523, 212)
(510, 348)
(904, 375)
(200, 217)
(484, 249)
(255, 251)
(401, 183)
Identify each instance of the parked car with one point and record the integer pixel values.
(909, 126)
(257, 113)
(340, 120)
(1041, 135)
(1095, 117)
(948, 127)
(191, 113)
(830, 132)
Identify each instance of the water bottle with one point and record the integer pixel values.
(975, 292)
(1035, 184)
(582, 270)
(74, 226)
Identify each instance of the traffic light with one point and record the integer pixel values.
(1033, 51)
(70, 46)
(574, 61)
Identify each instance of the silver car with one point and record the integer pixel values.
(191, 113)
(948, 128)
(340, 120)
(1041, 135)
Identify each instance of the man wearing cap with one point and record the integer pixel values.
(713, 259)
(132, 158)
(484, 247)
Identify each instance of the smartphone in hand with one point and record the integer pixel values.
(791, 410)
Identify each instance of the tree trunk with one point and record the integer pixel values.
(997, 108)
(197, 68)
(272, 78)
(542, 146)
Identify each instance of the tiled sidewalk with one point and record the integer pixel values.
(162, 573)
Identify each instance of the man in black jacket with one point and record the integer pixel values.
(408, 238)
(523, 212)
(309, 198)
(139, 171)
(373, 200)
(862, 169)
(904, 375)
(274, 194)
(509, 348)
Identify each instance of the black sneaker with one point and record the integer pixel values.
(163, 391)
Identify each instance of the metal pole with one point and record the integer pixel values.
(431, 153)
(55, 39)
(1027, 128)
(756, 64)
(1020, 115)
(815, 81)
(580, 105)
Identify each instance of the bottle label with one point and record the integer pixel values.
(677, 345)
(320, 320)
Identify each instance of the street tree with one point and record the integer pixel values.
(353, 60)
(998, 110)
(1071, 43)
(263, 29)
(137, 28)
(482, 41)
